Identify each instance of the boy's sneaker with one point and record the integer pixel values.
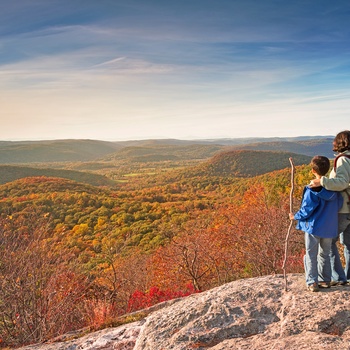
(313, 287)
(324, 285)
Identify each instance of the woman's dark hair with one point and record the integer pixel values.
(320, 165)
(341, 142)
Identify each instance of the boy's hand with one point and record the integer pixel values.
(315, 183)
(291, 216)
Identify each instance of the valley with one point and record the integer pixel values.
(102, 237)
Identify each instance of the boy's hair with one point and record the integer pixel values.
(320, 165)
(341, 142)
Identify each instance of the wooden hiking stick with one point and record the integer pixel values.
(290, 224)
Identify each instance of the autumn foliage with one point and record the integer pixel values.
(75, 256)
(140, 300)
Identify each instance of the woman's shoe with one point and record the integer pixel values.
(338, 283)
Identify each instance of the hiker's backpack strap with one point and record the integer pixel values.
(337, 157)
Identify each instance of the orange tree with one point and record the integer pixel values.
(199, 253)
(260, 229)
(242, 239)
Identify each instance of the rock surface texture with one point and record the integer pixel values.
(254, 313)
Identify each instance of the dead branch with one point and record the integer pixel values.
(290, 224)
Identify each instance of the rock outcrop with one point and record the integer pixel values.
(255, 313)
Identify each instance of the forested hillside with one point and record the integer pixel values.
(75, 255)
(16, 152)
(246, 163)
(306, 147)
(54, 151)
(165, 152)
(10, 173)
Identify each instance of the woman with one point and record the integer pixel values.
(339, 180)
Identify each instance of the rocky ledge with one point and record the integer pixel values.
(254, 313)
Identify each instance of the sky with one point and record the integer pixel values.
(186, 69)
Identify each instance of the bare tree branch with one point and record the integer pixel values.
(290, 224)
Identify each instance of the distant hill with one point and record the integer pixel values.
(162, 152)
(246, 163)
(172, 150)
(19, 152)
(9, 173)
(221, 141)
(306, 147)
(40, 185)
(54, 151)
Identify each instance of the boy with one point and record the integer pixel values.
(339, 180)
(318, 218)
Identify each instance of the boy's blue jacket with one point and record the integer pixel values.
(318, 212)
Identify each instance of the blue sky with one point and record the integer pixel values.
(187, 69)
